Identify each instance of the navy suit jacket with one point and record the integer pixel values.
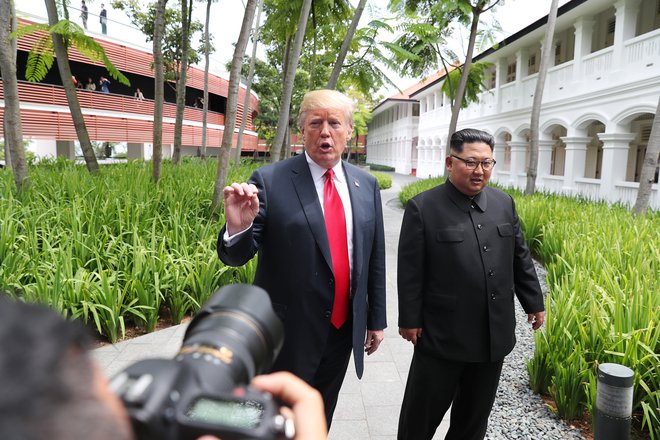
(295, 266)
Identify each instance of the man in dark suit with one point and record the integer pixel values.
(462, 258)
(321, 247)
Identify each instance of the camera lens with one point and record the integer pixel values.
(236, 330)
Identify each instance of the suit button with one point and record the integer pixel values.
(327, 314)
(331, 282)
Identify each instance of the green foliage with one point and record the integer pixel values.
(603, 306)
(377, 167)
(41, 56)
(475, 83)
(384, 180)
(411, 190)
(113, 249)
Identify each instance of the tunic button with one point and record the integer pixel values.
(493, 295)
(479, 226)
(472, 206)
(485, 248)
(491, 273)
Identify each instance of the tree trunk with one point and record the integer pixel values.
(186, 15)
(343, 51)
(207, 50)
(159, 89)
(62, 55)
(246, 103)
(287, 92)
(649, 168)
(14, 151)
(462, 83)
(232, 104)
(546, 53)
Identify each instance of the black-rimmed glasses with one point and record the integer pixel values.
(472, 164)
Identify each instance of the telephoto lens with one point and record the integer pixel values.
(203, 390)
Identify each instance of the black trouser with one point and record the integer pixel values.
(435, 384)
(331, 371)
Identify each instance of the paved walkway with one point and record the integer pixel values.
(368, 409)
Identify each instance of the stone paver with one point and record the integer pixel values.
(367, 409)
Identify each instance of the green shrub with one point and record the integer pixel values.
(376, 167)
(384, 180)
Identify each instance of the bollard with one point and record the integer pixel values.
(614, 398)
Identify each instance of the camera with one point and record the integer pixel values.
(203, 389)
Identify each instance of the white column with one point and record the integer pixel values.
(500, 79)
(66, 149)
(545, 157)
(518, 165)
(626, 22)
(522, 59)
(615, 160)
(584, 29)
(135, 151)
(576, 156)
(498, 155)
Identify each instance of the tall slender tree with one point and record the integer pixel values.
(287, 89)
(62, 54)
(159, 88)
(186, 19)
(546, 52)
(649, 168)
(207, 54)
(14, 150)
(248, 86)
(345, 45)
(232, 104)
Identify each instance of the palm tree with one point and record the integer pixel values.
(232, 104)
(650, 167)
(248, 86)
(159, 89)
(14, 151)
(289, 76)
(546, 51)
(62, 53)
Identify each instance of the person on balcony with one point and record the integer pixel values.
(138, 94)
(103, 16)
(84, 13)
(90, 84)
(103, 84)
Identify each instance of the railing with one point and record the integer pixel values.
(588, 188)
(49, 94)
(599, 62)
(626, 193)
(553, 184)
(643, 48)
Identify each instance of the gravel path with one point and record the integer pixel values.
(518, 413)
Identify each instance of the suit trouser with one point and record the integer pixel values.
(435, 384)
(330, 374)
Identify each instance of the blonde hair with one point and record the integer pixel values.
(326, 99)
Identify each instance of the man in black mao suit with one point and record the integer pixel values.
(462, 259)
(279, 214)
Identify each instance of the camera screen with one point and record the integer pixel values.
(238, 414)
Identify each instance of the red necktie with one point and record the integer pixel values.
(335, 225)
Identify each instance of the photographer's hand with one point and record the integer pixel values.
(305, 401)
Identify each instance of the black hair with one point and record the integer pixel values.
(47, 378)
(469, 136)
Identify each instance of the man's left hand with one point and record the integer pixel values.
(374, 338)
(536, 319)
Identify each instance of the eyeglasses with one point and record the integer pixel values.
(472, 164)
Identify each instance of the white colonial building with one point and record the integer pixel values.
(599, 101)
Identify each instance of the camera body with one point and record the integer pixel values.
(203, 389)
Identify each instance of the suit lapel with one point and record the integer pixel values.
(309, 200)
(356, 190)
